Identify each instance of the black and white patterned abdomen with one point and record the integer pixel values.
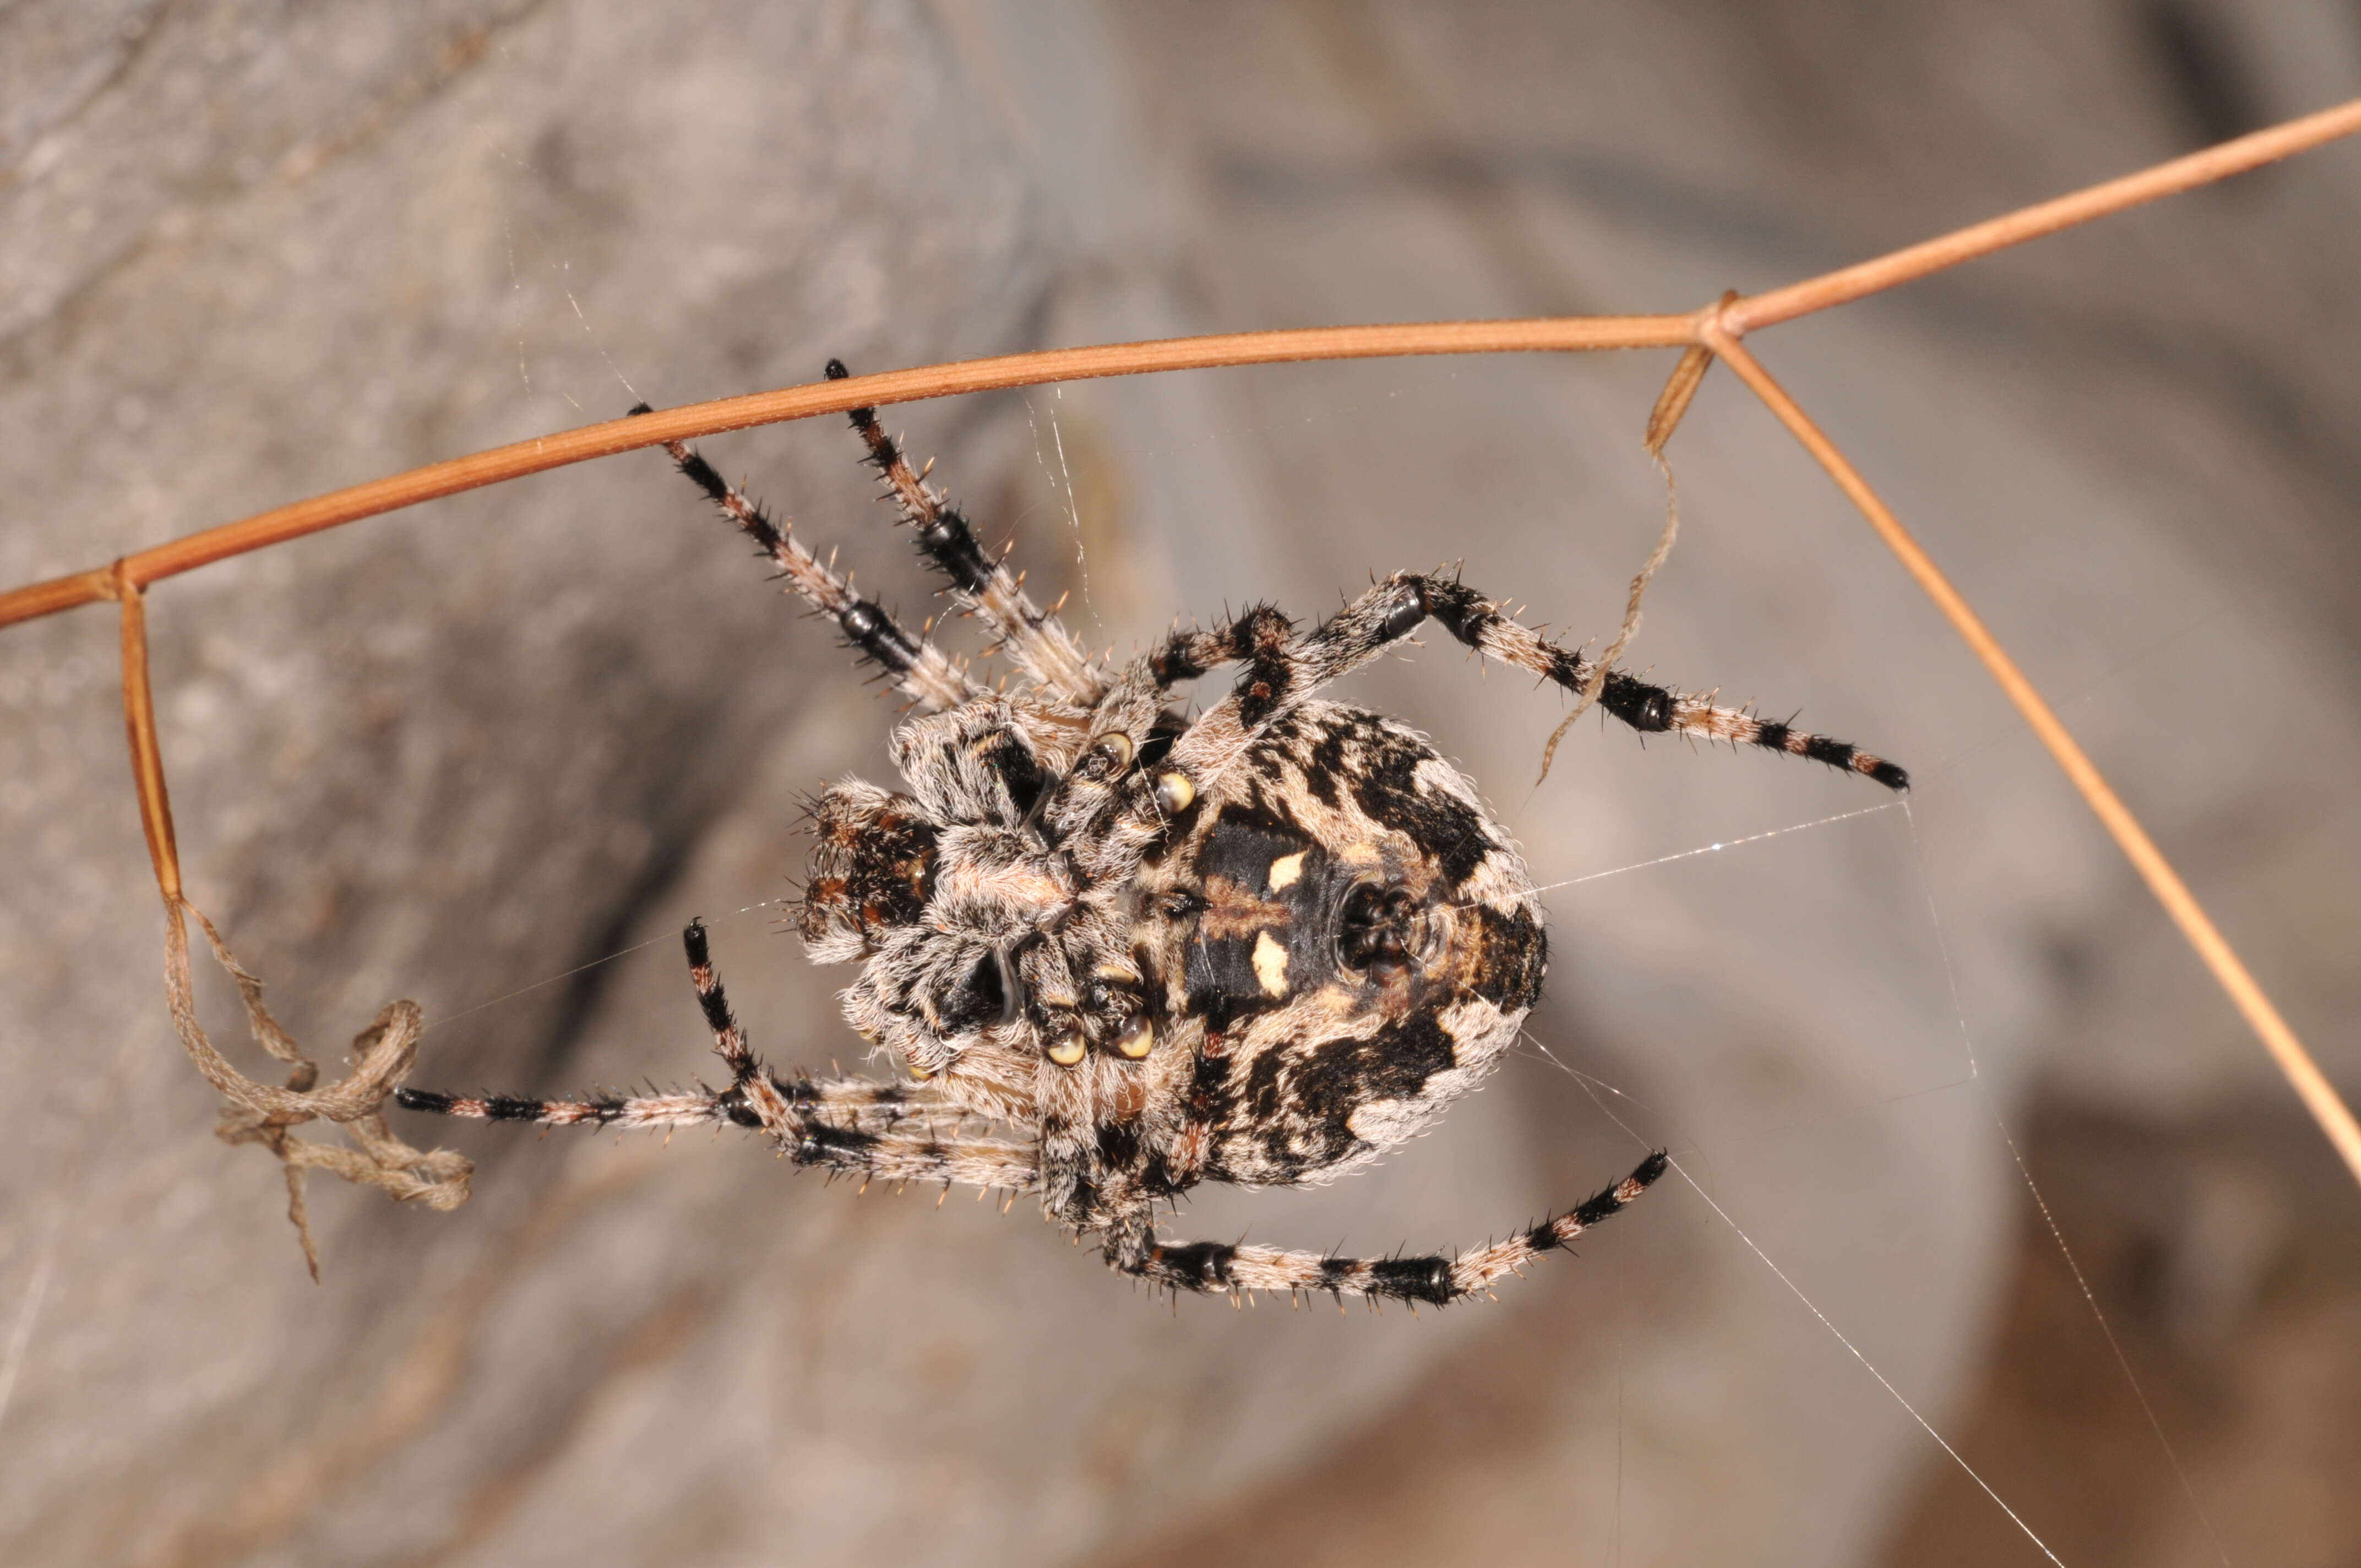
(1348, 936)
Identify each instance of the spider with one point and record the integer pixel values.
(1261, 945)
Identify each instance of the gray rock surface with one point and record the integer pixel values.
(252, 252)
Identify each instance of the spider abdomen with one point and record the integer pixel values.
(1349, 935)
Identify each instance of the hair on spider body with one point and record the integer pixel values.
(1143, 951)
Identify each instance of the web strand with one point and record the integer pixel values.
(1827, 1322)
(593, 336)
(2048, 1219)
(1973, 1075)
(1707, 850)
(580, 969)
(1062, 481)
(28, 1311)
(1871, 1367)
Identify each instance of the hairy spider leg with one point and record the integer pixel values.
(904, 1146)
(1184, 655)
(1285, 669)
(887, 1132)
(753, 1099)
(1033, 636)
(1205, 747)
(751, 1094)
(835, 1117)
(919, 670)
(1210, 1266)
(1646, 708)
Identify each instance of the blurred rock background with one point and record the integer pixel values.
(252, 251)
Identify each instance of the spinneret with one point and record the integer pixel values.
(1263, 944)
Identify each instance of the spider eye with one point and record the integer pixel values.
(1066, 1048)
(1110, 753)
(1139, 1036)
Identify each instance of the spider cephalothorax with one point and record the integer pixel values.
(1260, 946)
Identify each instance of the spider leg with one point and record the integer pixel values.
(703, 1107)
(782, 1106)
(884, 1130)
(1185, 655)
(1212, 1266)
(904, 1147)
(851, 1104)
(920, 670)
(1644, 706)
(988, 1164)
(1046, 649)
(1285, 669)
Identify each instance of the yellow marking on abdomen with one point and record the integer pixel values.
(1270, 965)
(1286, 868)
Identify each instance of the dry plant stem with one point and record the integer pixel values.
(265, 1114)
(2312, 1085)
(139, 725)
(262, 1113)
(557, 451)
(1680, 391)
(1537, 335)
(2219, 162)
(1630, 626)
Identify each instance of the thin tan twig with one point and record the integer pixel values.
(139, 729)
(2312, 1085)
(2219, 162)
(1680, 392)
(556, 451)
(1686, 376)
(266, 1113)
(1538, 335)
(261, 1112)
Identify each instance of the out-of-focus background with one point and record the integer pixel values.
(250, 251)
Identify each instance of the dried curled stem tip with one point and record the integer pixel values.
(1681, 388)
(1597, 683)
(260, 1112)
(1680, 391)
(266, 1113)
